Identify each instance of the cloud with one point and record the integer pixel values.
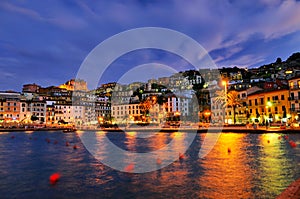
(242, 33)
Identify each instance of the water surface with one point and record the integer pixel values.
(258, 166)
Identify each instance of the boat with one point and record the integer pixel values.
(69, 130)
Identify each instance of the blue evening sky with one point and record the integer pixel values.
(45, 42)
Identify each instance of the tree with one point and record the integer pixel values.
(231, 99)
(278, 60)
(34, 118)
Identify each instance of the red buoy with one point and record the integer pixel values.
(75, 147)
(53, 179)
(67, 143)
(129, 168)
(181, 156)
(229, 150)
(55, 142)
(279, 137)
(268, 141)
(12, 137)
(293, 144)
(158, 161)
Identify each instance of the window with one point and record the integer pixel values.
(283, 108)
(291, 84)
(268, 99)
(255, 102)
(250, 110)
(282, 97)
(292, 96)
(293, 107)
(298, 84)
(250, 103)
(262, 101)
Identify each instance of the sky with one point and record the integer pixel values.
(45, 42)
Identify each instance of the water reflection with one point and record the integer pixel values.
(227, 174)
(256, 166)
(274, 163)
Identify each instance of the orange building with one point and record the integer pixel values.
(9, 108)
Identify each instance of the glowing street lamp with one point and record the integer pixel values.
(224, 83)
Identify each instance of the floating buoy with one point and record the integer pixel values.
(129, 168)
(181, 156)
(158, 161)
(12, 137)
(67, 143)
(75, 147)
(229, 150)
(293, 144)
(53, 179)
(55, 142)
(268, 141)
(47, 140)
(286, 137)
(279, 137)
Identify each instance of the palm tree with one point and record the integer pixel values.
(231, 99)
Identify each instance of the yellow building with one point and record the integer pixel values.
(270, 105)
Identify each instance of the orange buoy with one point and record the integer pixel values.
(279, 137)
(229, 150)
(75, 147)
(181, 156)
(53, 179)
(268, 141)
(158, 161)
(129, 168)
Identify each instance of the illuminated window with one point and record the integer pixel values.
(291, 84)
(298, 83)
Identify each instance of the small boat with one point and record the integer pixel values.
(69, 130)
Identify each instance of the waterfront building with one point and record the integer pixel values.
(269, 105)
(126, 113)
(9, 108)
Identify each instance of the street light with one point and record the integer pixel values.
(224, 83)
